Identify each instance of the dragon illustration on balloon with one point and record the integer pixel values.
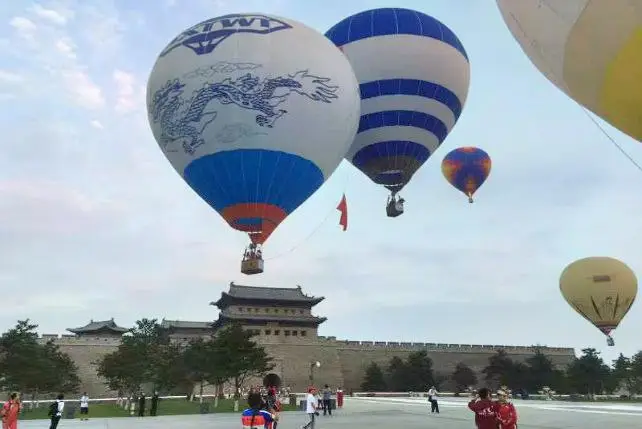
(185, 120)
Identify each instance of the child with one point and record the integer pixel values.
(505, 411)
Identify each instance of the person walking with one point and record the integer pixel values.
(84, 407)
(432, 398)
(10, 411)
(327, 400)
(311, 406)
(55, 411)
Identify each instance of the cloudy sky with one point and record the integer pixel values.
(95, 223)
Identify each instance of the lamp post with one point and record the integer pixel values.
(313, 365)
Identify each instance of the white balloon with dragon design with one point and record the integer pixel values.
(255, 112)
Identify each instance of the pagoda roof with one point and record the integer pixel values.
(263, 293)
(98, 326)
(303, 319)
(185, 324)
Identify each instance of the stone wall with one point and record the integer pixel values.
(343, 363)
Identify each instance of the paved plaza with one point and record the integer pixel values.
(389, 413)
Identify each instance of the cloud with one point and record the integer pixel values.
(97, 124)
(25, 28)
(10, 77)
(50, 15)
(126, 100)
(81, 88)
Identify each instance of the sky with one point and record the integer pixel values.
(95, 223)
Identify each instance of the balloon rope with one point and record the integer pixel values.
(608, 136)
(563, 83)
(300, 243)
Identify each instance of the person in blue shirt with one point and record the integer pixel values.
(254, 417)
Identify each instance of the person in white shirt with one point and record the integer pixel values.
(56, 415)
(311, 404)
(432, 398)
(84, 407)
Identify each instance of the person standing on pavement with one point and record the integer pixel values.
(56, 411)
(327, 400)
(84, 407)
(484, 409)
(311, 406)
(432, 398)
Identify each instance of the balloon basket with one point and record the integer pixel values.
(252, 266)
(610, 342)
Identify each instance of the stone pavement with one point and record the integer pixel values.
(392, 413)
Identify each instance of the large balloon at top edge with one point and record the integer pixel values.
(600, 289)
(591, 50)
(414, 75)
(255, 112)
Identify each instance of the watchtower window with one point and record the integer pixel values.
(295, 333)
(277, 332)
(304, 333)
(268, 332)
(287, 333)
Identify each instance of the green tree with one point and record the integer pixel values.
(20, 358)
(463, 377)
(540, 372)
(499, 369)
(205, 364)
(374, 380)
(145, 355)
(61, 374)
(623, 374)
(398, 379)
(244, 357)
(636, 374)
(588, 374)
(419, 371)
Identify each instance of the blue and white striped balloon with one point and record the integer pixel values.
(414, 76)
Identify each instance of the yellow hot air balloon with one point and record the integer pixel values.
(601, 289)
(590, 49)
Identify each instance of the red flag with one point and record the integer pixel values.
(343, 208)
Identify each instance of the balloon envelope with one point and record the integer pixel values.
(601, 289)
(255, 112)
(466, 168)
(414, 75)
(591, 50)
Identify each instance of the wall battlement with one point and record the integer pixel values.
(454, 348)
(73, 340)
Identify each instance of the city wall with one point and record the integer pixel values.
(343, 363)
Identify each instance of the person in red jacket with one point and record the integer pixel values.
(505, 410)
(484, 409)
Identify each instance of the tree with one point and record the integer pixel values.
(374, 380)
(397, 375)
(419, 371)
(205, 364)
(463, 376)
(244, 357)
(30, 367)
(145, 355)
(61, 375)
(636, 373)
(499, 369)
(622, 373)
(540, 372)
(589, 374)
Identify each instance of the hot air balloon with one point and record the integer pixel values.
(255, 112)
(588, 49)
(414, 76)
(601, 289)
(466, 168)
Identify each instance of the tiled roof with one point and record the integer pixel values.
(103, 325)
(185, 324)
(262, 293)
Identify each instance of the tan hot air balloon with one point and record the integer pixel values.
(590, 49)
(601, 289)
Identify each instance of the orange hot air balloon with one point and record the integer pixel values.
(600, 289)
